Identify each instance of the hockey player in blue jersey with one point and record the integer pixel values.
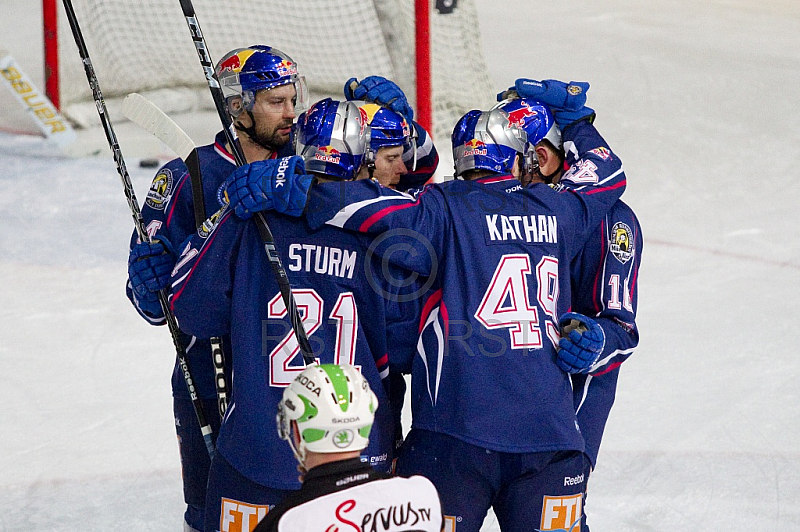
(493, 418)
(226, 273)
(262, 87)
(604, 276)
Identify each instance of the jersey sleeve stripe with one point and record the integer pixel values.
(183, 279)
(344, 215)
(172, 204)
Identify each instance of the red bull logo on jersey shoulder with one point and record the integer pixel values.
(235, 62)
(474, 147)
(518, 116)
(328, 154)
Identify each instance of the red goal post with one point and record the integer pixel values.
(144, 47)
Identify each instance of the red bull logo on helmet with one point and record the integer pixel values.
(364, 120)
(328, 154)
(474, 147)
(235, 62)
(518, 116)
(286, 68)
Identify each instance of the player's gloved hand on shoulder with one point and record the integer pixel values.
(566, 100)
(582, 341)
(149, 268)
(279, 184)
(382, 91)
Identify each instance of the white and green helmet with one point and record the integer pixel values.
(333, 406)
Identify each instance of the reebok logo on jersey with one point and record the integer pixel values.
(533, 228)
(571, 481)
(562, 513)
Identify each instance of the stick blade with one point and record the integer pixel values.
(146, 114)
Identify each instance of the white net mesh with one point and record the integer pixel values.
(145, 46)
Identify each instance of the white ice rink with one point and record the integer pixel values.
(701, 99)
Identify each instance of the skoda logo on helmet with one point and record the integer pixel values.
(343, 438)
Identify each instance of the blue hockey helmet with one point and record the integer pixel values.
(245, 71)
(535, 118)
(386, 128)
(331, 137)
(486, 140)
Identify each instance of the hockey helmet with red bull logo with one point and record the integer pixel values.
(331, 138)
(245, 71)
(487, 140)
(535, 118)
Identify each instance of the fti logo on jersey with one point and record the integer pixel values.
(562, 513)
(239, 516)
(474, 147)
(328, 154)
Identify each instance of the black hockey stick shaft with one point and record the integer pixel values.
(230, 135)
(137, 216)
(145, 113)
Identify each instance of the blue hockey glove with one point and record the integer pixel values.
(149, 268)
(557, 95)
(566, 100)
(582, 341)
(280, 184)
(382, 91)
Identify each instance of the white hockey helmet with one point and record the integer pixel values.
(333, 407)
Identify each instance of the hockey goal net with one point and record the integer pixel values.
(145, 47)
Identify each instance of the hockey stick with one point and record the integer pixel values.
(146, 114)
(138, 221)
(261, 222)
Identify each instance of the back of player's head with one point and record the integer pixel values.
(333, 407)
(331, 138)
(535, 118)
(245, 71)
(486, 140)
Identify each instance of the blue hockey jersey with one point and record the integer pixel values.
(500, 255)
(168, 212)
(223, 284)
(605, 286)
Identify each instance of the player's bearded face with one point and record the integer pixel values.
(274, 114)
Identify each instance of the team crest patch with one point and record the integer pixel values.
(222, 195)
(621, 242)
(211, 222)
(161, 190)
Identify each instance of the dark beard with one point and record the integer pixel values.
(272, 141)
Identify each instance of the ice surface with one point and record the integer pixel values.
(700, 99)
